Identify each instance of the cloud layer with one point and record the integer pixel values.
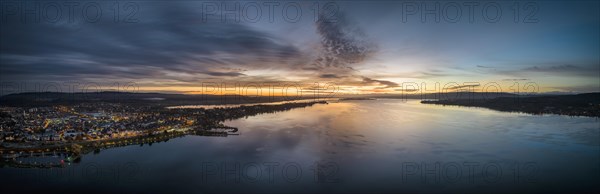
(169, 44)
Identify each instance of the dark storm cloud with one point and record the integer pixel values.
(342, 44)
(171, 39)
(172, 46)
(328, 76)
(386, 84)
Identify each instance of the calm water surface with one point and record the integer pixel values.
(351, 146)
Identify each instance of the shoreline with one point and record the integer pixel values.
(570, 105)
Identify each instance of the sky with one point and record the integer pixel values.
(265, 47)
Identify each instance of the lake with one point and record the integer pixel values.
(384, 145)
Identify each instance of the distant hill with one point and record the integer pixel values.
(57, 98)
(497, 101)
(587, 104)
(447, 96)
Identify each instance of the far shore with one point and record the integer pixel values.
(572, 105)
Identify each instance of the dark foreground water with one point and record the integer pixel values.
(350, 146)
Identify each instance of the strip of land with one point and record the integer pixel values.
(573, 105)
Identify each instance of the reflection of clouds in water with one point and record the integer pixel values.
(548, 129)
(327, 130)
(353, 133)
(371, 148)
(374, 146)
(257, 143)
